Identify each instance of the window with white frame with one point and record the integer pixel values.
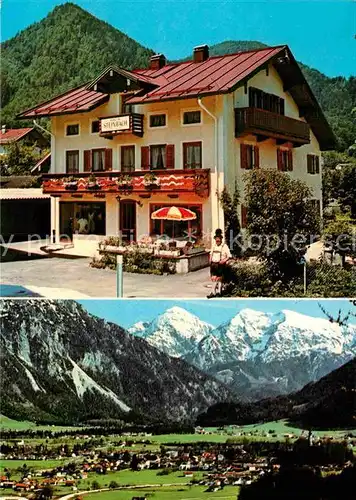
(159, 120)
(98, 160)
(191, 117)
(192, 155)
(72, 129)
(158, 156)
(313, 164)
(127, 158)
(72, 162)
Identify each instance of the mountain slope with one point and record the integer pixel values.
(256, 354)
(174, 332)
(328, 403)
(59, 362)
(67, 48)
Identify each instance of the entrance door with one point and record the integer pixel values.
(128, 220)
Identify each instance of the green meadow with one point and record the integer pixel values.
(167, 493)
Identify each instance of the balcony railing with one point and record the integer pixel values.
(129, 123)
(140, 182)
(270, 125)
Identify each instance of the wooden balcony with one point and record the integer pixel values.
(266, 125)
(142, 183)
(130, 123)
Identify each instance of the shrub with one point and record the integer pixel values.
(330, 281)
(323, 280)
(95, 485)
(113, 484)
(164, 472)
(136, 262)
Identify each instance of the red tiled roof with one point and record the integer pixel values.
(216, 75)
(74, 101)
(13, 135)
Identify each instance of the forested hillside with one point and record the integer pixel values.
(70, 47)
(67, 48)
(329, 403)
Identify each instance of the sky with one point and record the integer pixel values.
(128, 312)
(321, 33)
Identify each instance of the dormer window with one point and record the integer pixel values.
(159, 120)
(72, 129)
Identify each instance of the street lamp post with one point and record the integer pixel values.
(119, 276)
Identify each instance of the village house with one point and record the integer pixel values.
(29, 136)
(130, 142)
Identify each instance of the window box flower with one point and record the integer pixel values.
(93, 183)
(70, 183)
(124, 182)
(151, 181)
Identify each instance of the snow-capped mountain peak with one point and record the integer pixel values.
(176, 331)
(260, 351)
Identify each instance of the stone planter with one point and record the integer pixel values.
(168, 253)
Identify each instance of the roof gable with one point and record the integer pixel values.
(14, 134)
(114, 79)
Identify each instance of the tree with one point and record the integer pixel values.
(45, 493)
(281, 221)
(339, 180)
(340, 236)
(134, 463)
(19, 159)
(230, 204)
(95, 485)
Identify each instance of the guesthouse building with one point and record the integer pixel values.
(174, 134)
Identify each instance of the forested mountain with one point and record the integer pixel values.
(60, 363)
(71, 46)
(67, 48)
(328, 403)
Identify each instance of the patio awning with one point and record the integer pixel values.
(22, 194)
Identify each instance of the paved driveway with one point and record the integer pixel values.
(74, 278)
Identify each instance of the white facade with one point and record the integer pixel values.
(220, 151)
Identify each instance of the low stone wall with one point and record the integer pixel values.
(183, 263)
(189, 263)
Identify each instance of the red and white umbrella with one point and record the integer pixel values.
(176, 214)
(173, 213)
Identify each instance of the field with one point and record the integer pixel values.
(173, 493)
(172, 486)
(8, 423)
